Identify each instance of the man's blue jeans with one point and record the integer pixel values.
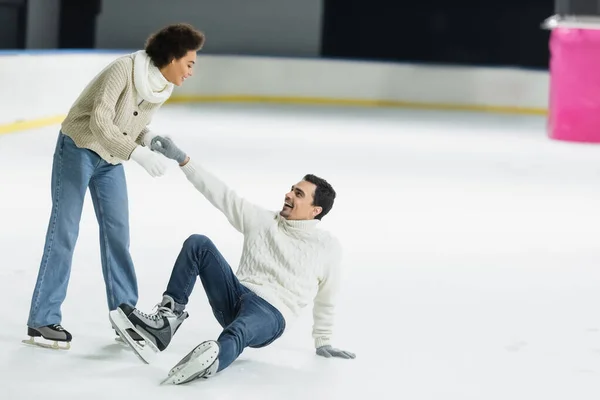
(247, 319)
(73, 171)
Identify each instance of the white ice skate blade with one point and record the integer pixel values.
(192, 354)
(194, 365)
(54, 346)
(120, 340)
(146, 352)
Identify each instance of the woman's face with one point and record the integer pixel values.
(179, 70)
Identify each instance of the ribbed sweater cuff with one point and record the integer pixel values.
(188, 168)
(123, 150)
(321, 341)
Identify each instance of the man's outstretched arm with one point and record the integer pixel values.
(241, 213)
(324, 308)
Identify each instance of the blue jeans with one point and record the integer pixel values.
(247, 319)
(73, 171)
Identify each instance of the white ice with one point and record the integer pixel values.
(472, 252)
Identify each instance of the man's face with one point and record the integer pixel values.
(298, 202)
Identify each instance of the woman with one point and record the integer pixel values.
(106, 126)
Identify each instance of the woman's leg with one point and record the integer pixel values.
(71, 172)
(108, 189)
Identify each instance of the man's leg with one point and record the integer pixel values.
(198, 257)
(248, 320)
(108, 189)
(71, 171)
(257, 324)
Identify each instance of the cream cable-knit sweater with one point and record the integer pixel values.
(107, 117)
(288, 263)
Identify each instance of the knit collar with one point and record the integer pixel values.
(305, 225)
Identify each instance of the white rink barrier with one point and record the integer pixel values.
(39, 86)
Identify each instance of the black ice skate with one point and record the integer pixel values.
(55, 333)
(156, 329)
(201, 362)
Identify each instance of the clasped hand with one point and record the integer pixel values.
(166, 147)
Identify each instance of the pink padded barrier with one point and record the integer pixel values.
(574, 109)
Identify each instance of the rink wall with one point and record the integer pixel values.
(39, 87)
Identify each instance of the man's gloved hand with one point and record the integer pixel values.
(151, 162)
(328, 351)
(167, 148)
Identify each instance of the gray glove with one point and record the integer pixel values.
(328, 351)
(167, 148)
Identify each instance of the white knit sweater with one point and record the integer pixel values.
(287, 263)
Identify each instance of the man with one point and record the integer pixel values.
(285, 261)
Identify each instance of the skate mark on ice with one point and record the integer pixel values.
(516, 346)
(585, 371)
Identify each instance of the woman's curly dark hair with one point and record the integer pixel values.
(173, 42)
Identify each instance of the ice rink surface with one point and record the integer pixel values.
(472, 258)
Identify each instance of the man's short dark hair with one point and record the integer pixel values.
(173, 42)
(324, 195)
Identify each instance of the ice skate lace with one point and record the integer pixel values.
(157, 312)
